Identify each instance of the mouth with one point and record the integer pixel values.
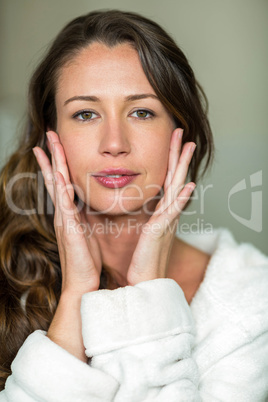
(115, 177)
(115, 172)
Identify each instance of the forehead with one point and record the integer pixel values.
(98, 68)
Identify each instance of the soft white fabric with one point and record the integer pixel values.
(146, 343)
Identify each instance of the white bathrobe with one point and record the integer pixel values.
(147, 344)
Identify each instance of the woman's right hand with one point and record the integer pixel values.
(79, 254)
(80, 272)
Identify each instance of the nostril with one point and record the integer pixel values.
(114, 153)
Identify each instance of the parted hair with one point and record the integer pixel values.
(30, 273)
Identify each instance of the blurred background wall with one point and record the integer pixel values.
(226, 44)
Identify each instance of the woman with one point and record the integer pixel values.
(123, 114)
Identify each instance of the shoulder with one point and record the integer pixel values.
(240, 266)
(243, 263)
(235, 284)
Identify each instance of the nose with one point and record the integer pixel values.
(114, 139)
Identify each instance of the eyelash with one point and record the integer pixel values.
(149, 112)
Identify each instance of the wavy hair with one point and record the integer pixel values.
(30, 274)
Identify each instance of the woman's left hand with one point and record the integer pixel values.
(151, 256)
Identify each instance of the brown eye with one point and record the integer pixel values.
(86, 115)
(143, 114)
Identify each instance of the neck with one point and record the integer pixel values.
(117, 236)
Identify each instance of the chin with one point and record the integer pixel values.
(131, 209)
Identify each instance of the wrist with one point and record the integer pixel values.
(66, 328)
(75, 293)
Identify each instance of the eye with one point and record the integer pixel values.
(143, 114)
(85, 115)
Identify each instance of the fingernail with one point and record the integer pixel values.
(192, 148)
(180, 134)
(48, 136)
(35, 152)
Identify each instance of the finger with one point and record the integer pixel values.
(59, 190)
(67, 208)
(179, 178)
(52, 139)
(59, 162)
(175, 207)
(171, 215)
(70, 233)
(175, 147)
(61, 166)
(64, 208)
(46, 169)
(179, 204)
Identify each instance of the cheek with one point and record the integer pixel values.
(75, 146)
(158, 157)
(74, 158)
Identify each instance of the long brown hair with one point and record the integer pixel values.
(30, 274)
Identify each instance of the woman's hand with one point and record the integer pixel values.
(151, 256)
(80, 272)
(79, 255)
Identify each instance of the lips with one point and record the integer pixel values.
(115, 171)
(115, 177)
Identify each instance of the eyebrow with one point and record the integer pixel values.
(129, 98)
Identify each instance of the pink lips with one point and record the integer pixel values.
(115, 182)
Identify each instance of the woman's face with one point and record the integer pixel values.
(109, 117)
